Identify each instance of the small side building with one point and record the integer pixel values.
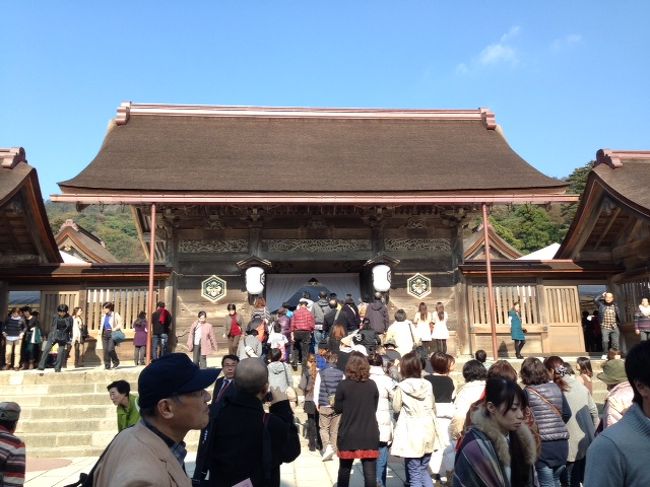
(75, 240)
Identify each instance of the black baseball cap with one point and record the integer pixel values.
(171, 375)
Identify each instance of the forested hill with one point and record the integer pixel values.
(113, 224)
(525, 227)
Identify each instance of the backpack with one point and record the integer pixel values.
(257, 323)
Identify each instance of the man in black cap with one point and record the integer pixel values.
(12, 448)
(173, 401)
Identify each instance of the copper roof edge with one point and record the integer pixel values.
(231, 198)
(127, 109)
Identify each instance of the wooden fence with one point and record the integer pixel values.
(504, 297)
(129, 302)
(632, 293)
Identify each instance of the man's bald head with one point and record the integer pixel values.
(252, 376)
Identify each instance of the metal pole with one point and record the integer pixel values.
(488, 269)
(152, 258)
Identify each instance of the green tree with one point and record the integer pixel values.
(577, 181)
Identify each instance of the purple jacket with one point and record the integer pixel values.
(140, 333)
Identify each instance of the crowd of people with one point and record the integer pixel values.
(30, 341)
(370, 389)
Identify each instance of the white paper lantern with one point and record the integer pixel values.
(255, 280)
(381, 278)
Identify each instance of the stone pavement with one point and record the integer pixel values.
(307, 470)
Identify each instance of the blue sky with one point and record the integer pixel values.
(564, 78)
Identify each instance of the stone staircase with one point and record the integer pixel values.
(70, 415)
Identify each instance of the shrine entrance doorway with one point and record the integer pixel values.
(281, 288)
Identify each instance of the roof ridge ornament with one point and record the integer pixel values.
(11, 156)
(488, 117)
(123, 113)
(614, 158)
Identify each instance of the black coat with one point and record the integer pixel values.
(350, 318)
(357, 403)
(61, 329)
(236, 452)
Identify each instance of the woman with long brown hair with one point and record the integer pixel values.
(423, 322)
(440, 333)
(358, 436)
(334, 341)
(307, 382)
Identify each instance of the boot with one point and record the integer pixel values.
(31, 364)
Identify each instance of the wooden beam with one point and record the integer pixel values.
(611, 221)
(635, 247)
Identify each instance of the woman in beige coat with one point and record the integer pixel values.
(414, 435)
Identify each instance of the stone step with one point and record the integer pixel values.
(57, 401)
(66, 425)
(70, 412)
(69, 376)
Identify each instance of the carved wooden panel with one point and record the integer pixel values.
(212, 246)
(438, 245)
(316, 245)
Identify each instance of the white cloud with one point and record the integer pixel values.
(501, 52)
(497, 53)
(566, 41)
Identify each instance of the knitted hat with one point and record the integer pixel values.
(613, 372)
(9, 411)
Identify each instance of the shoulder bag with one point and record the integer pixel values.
(118, 336)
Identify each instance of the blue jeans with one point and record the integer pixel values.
(612, 335)
(418, 471)
(159, 342)
(382, 464)
(549, 476)
(318, 336)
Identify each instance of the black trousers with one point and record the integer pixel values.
(301, 340)
(60, 356)
(109, 351)
(440, 345)
(369, 466)
(519, 344)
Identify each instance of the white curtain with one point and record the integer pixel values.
(280, 287)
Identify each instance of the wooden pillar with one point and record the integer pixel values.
(150, 295)
(488, 270)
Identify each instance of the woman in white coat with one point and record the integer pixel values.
(386, 386)
(440, 332)
(415, 434)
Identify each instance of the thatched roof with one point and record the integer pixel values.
(193, 149)
(26, 237)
